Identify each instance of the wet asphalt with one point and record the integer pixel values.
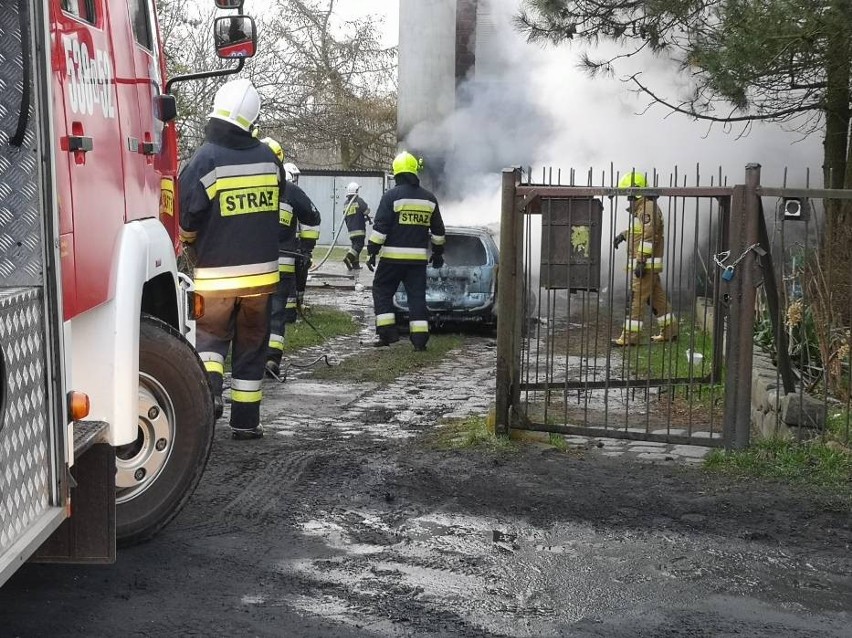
(349, 520)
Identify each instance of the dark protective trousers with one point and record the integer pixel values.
(356, 248)
(241, 324)
(386, 281)
(303, 265)
(286, 294)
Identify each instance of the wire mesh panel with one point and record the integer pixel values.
(623, 321)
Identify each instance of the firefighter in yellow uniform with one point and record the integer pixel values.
(645, 244)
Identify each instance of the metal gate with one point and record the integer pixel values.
(565, 295)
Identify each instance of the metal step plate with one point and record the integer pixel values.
(87, 433)
(24, 422)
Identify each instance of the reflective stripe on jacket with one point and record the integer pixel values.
(296, 208)
(645, 238)
(229, 198)
(407, 219)
(355, 211)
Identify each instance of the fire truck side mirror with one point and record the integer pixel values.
(235, 37)
(229, 4)
(166, 107)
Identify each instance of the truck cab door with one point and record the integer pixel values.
(158, 176)
(91, 143)
(124, 48)
(62, 161)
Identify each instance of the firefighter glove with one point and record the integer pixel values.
(639, 271)
(437, 261)
(619, 239)
(371, 262)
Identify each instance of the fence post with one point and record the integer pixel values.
(773, 302)
(507, 283)
(744, 233)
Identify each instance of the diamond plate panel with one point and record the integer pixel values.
(20, 216)
(24, 426)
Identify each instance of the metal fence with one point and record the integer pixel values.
(566, 292)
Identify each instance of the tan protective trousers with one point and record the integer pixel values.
(648, 290)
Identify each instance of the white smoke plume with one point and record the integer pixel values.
(530, 105)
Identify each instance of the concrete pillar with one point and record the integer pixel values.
(427, 63)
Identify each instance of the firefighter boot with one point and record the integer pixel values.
(218, 406)
(668, 329)
(247, 435)
(623, 341)
(629, 335)
(382, 342)
(349, 260)
(385, 336)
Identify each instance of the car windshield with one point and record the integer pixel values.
(464, 250)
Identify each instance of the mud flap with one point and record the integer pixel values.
(88, 536)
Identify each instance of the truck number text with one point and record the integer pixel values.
(90, 78)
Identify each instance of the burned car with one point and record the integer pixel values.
(465, 288)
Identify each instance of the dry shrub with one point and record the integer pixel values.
(832, 333)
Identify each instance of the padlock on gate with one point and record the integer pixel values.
(728, 273)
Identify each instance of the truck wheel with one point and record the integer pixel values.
(157, 473)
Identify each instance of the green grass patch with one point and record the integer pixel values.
(838, 424)
(690, 357)
(337, 253)
(816, 463)
(383, 365)
(558, 441)
(470, 433)
(329, 323)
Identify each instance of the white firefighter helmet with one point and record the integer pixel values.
(352, 188)
(237, 102)
(292, 172)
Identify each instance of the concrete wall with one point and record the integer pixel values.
(427, 63)
(774, 413)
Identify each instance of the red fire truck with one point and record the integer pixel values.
(106, 416)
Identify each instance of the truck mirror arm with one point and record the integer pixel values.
(205, 74)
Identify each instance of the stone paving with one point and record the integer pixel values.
(461, 386)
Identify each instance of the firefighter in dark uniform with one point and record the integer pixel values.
(295, 207)
(407, 219)
(308, 237)
(357, 214)
(229, 196)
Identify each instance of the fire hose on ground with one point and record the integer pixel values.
(330, 356)
(186, 265)
(331, 246)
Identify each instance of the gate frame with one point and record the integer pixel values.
(740, 204)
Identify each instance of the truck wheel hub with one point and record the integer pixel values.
(138, 464)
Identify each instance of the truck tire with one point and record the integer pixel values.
(157, 473)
